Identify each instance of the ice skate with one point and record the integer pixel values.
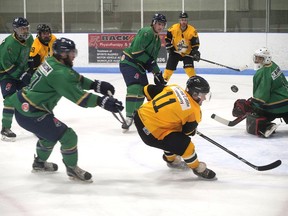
(203, 172)
(76, 173)
(126, 125)
(270, 130)
(176, 164)
(8, 135)
(43, 166)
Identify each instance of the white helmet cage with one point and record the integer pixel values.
(265, 54)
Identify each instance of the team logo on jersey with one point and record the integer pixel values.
(8, 87)
(276, 73)
(25, 106)
(45, 68)
(136, 76)
(182, 98)
(146, 131)
(57, 122)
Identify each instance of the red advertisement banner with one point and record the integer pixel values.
(107, 48)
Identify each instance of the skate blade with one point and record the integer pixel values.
(80, 180)
(42, 171)
(271, 131)
(8, 139)
(205, 179)
(125, 130)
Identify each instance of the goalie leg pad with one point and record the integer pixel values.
(256, 124)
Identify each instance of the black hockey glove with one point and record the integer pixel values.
(158, 79)
(109, 103)
(170, 48)
(150, 64)
(103, 87)
(26, 77)
(196, 55)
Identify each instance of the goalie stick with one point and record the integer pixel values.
(258, 168)
(227, 122)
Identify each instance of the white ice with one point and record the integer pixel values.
(130, 178)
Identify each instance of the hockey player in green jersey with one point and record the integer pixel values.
(14, 54)
(270, 96)
(140, 57)
(34, 106)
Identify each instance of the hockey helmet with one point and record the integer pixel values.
(183, 15)
(21, 27)
(264, 53)
(63, 45)
(159, 18)
(198, 87)
(43, 28)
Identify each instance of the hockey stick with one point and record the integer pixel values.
(227, 122)
(235, 69)
(258, 168)
(121, 119)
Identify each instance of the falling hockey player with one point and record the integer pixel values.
(169, 118)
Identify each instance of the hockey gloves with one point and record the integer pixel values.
(109, 103)
(26, 77)
(103, 87)
(170, 48)
(242, 107)
(158, 79)
(195, 55)
(150, 65)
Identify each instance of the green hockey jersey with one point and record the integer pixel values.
(14, 57)
(49, 83)
(270, 89)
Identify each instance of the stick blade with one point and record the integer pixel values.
(219, 119)
(227, 122)
(269, 166)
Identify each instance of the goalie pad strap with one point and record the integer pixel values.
(255, 124)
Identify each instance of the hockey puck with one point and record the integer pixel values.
(234, 88)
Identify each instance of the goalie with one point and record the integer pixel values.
(270, 97)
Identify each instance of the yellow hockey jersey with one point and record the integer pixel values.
(185, 41)
(40, 49)
(172, 110)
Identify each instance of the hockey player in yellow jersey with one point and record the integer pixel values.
(182, 44)
(169, 118)
(41, 47)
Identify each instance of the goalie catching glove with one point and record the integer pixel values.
(103, 87)
(242, 107)
(109, 103)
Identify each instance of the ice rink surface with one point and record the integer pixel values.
(130, 178)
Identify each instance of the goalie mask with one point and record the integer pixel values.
(261, 57)
(21, 28)
(198, 88)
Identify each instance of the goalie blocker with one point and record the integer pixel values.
(259, 125)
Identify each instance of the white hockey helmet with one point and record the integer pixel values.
(264, 53)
